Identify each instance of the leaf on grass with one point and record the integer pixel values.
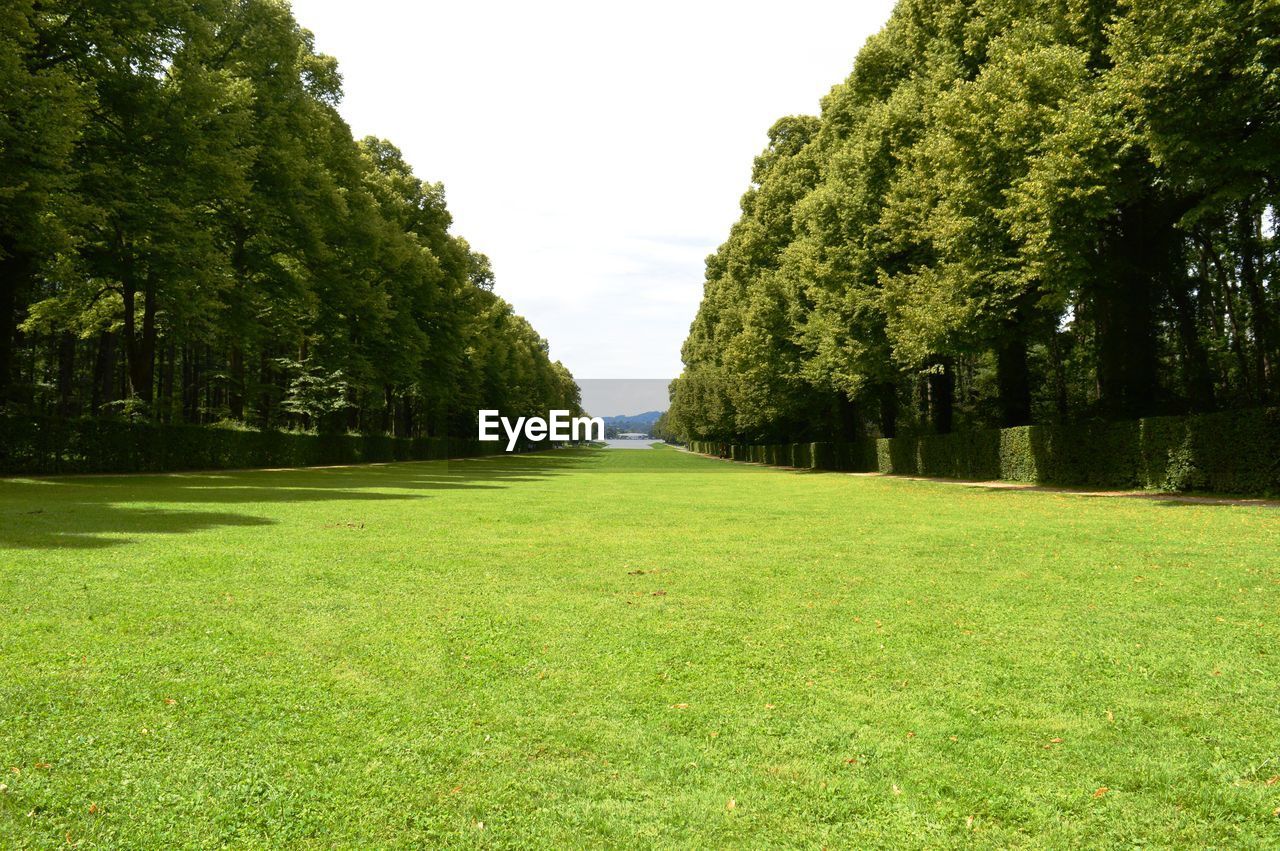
(1056, 740)
(732, 805)
(910, 734)
(1102, 790)
(1273, 779)
(679, 706)
(169, 701)
(43, 765)
(896, 790)
(93, 808)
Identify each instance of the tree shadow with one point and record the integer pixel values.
(101, 511)
(90, 526)
(1162, 498)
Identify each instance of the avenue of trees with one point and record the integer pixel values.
(1012, 211)
(189, 233)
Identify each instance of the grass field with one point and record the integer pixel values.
(630, 648)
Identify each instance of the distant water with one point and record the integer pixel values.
(630, 444)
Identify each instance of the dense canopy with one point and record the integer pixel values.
(1009, 212)
(189, 233)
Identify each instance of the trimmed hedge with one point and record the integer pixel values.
(1229, 452)
(50, 445)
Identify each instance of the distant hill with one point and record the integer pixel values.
(631, 422)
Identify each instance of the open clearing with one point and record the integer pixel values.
(630, 648)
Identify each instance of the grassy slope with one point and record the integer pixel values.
(394, 655)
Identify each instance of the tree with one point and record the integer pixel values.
(191, 233)
(1007, 212)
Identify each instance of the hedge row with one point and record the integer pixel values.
(1230, 452)
(48, 445)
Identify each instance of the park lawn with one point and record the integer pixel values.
(630, 648)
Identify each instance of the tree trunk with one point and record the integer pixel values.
(406, 412)
(1229, 301)
(264, 399)
(140, 352)
(66, 372)
(942, 394)
(353, 410)
(1138, 260)
(167, 377)
(1197, 377)
(888, 398)
(1251, 284)
(1013, 379)
(190, 397)
(16, 270)
(235, 388)
(104, 369)
(148, 348)
(850, 419)
(1059, 376)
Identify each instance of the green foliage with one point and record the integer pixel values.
(1234, 452)
(313, 393)
(1007, 213)
(189, 232)
(53, 446)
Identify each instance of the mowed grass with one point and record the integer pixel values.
(630, 649)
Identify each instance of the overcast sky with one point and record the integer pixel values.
(596, 151)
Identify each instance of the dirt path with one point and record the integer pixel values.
(998, 484)
(1162, 496)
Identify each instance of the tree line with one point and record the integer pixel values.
(189, 233)
(1009, 212)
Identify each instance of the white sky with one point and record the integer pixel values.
(596, 151)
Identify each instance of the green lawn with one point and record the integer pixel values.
(630, 648)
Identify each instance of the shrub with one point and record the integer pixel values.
(825, 456)
(1229, 452)
(801, 455)
(51, 445)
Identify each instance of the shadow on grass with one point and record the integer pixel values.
(89, 526)
(102, 511)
